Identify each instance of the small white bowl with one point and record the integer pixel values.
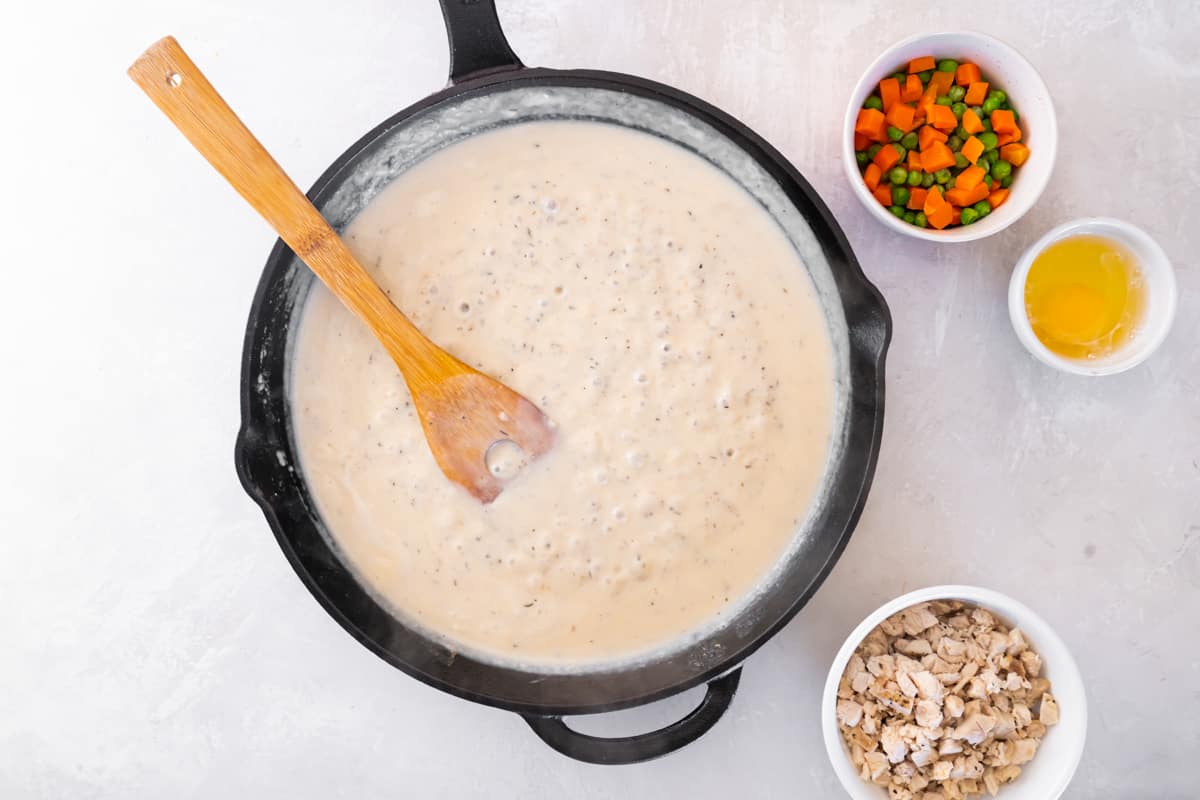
(1161, 297)
(1047, 775)
(1009, 70)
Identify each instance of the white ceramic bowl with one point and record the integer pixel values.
(1047, 775)
(1161, 297)
(1009, 71)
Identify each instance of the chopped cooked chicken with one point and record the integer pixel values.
(975, 728)
(1049, 712)
(928, 686)
(849, 713)
(943, 702)
(1023, 751)
(929, 714)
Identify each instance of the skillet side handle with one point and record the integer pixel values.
(645, 746)
(477, 42)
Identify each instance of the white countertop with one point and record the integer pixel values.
(154, 641)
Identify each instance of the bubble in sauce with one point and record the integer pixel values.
(505, 459)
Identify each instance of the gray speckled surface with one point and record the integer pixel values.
(155, 641)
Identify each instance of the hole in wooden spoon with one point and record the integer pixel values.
(174, 79)
(505, 459)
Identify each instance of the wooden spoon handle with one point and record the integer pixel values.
(180, 90)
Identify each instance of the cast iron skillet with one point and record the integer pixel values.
(482, 64)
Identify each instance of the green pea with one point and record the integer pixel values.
(958, 109)
(989, 106)
(898, 175)
(978, 110)
(1016, 116)
(962, 133)
(900, 195)
(944, 100)
(982, 208)
(910, 217)
(920, 220)
(1006, 182)
(987, 180)
(873, 102)
(987, 125)
(873, 149)
(910, 140)
(957, 93)
(925, 75)
(989, 140)
(1001, 169)
(900, 76)
(998, 96)
(901, 149)
(927, 179)
(947, 65)
(984, 160)
(960, 161)
(862, 158)
(954, 143)
(894, 133)
(915, 176)
(969, 215)
(942, 176)
(898, 211)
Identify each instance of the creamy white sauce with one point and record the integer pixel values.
(649, 306)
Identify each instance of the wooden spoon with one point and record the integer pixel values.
(463, 412)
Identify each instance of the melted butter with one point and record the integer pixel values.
(1084, 296)
(655, 312)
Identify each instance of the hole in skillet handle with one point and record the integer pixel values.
(477, 43)
(644, 746)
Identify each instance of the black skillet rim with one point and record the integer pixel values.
(869, 328)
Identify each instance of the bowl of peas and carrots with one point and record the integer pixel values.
(950, 137)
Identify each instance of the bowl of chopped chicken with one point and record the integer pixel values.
(954, 692)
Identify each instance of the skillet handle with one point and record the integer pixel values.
(645, 746)
(477, 43)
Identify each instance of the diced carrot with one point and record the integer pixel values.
(976, 93)
(933, 201)
(938, 212)
(911, 92)
(887, 157)
(901, 115)
(1008, 138)
(883, 193)
(872, 175)
(969, 178)
(967, 197)
(871, 123)
(1015, 154)
(942, 81)
(914, 160)
(955, 216)
(916, 199)
(927, 135)
(861, 142)
(966, 74)
(889, 93)
(927, 100)
(972, 149)
(921, 64)
(997, 198)
(942, 117)
(937, 156)
(971, 122)
(1003, 121)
